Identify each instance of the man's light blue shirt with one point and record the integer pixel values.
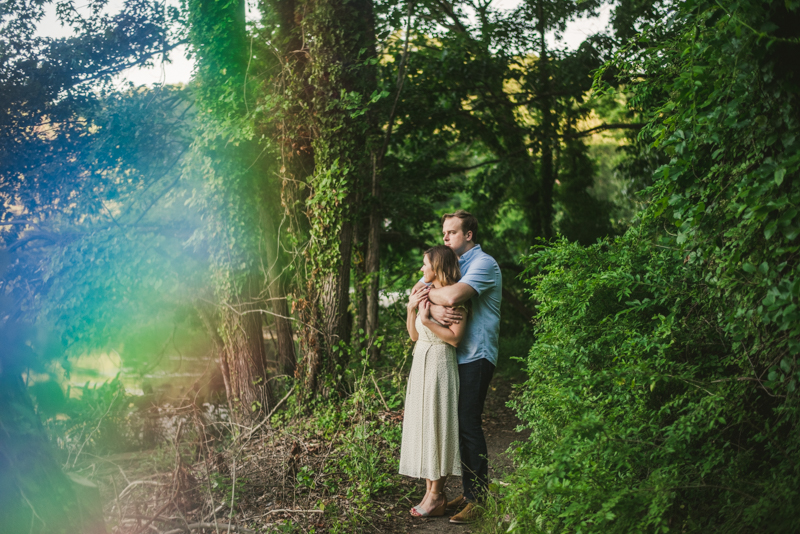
(481, 272)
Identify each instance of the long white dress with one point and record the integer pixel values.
(430, 424)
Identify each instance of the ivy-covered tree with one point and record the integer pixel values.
(315, 102)
(240, 194)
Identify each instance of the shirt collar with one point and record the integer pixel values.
(471, 252)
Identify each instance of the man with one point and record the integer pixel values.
(481, 282)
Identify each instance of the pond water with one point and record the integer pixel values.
(164, 361)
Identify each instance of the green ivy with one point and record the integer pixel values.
(662, 390)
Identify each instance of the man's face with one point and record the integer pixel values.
(454, 236)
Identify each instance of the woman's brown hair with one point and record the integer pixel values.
(444, 263)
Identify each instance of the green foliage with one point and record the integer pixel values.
(663, 381)
(87, 172)
(224, 486)
(94, 420)
(364, 436)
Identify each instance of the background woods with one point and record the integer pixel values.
(234, 251)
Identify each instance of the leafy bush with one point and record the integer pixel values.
(102, 420)
(662, 391)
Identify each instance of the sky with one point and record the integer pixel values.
(179, 69)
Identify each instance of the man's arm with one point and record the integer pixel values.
(454, 295)
(419, 285)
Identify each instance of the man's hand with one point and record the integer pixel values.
(446, 315)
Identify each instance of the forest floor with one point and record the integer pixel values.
(296, 479)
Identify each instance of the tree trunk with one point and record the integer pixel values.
(277, 274)
(211, 321)
(232, 163)
(244, 352)
(339, 33)
(360, 246)
(287, 359)
(290, 126)
(373, 262)
(546, 174)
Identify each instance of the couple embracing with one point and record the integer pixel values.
(454, 316)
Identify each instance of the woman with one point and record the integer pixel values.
(430, 426)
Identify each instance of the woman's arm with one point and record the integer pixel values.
(411, 318)
(451, 335)
(411, 311)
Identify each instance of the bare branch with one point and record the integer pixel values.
(209, 526)
(602, 127)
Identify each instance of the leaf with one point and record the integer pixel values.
(769, 231)
(749, 268)
(790, 232)
(773, 374)
(779, 174)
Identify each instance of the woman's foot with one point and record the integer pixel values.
(433, 505)
(417, 510)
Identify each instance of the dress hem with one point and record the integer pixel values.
(430, 477)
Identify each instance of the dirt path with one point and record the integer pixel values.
(499, 423)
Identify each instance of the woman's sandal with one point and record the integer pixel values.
(436, 512)
(416, 510)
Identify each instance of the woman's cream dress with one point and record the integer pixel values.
(430, 424)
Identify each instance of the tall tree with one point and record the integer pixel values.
(340, 41)
(230, 159)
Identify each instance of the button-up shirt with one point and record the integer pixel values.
(481, 272)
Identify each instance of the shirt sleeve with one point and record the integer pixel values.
(481, 275)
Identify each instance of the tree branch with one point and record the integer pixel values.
(209, 526)
(602, 127)
(448, 9)
(518, 305)
(400, 80)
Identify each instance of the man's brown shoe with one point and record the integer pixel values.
(468, 515)
(457, 503)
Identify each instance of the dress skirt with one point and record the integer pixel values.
(430, 425)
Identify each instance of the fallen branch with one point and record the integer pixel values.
(136, 482)
(201, 526)
(153, 518)
(270, 414)
(287, 511)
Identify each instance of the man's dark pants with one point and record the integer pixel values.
(474, 378)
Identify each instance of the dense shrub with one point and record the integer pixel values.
(662, 391)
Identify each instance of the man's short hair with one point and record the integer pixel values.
(468, 222)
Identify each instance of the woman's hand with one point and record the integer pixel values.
(425, 311)
(416, 297)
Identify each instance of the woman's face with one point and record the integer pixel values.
(428, 275)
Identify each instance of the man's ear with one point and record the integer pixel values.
(469, 235)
